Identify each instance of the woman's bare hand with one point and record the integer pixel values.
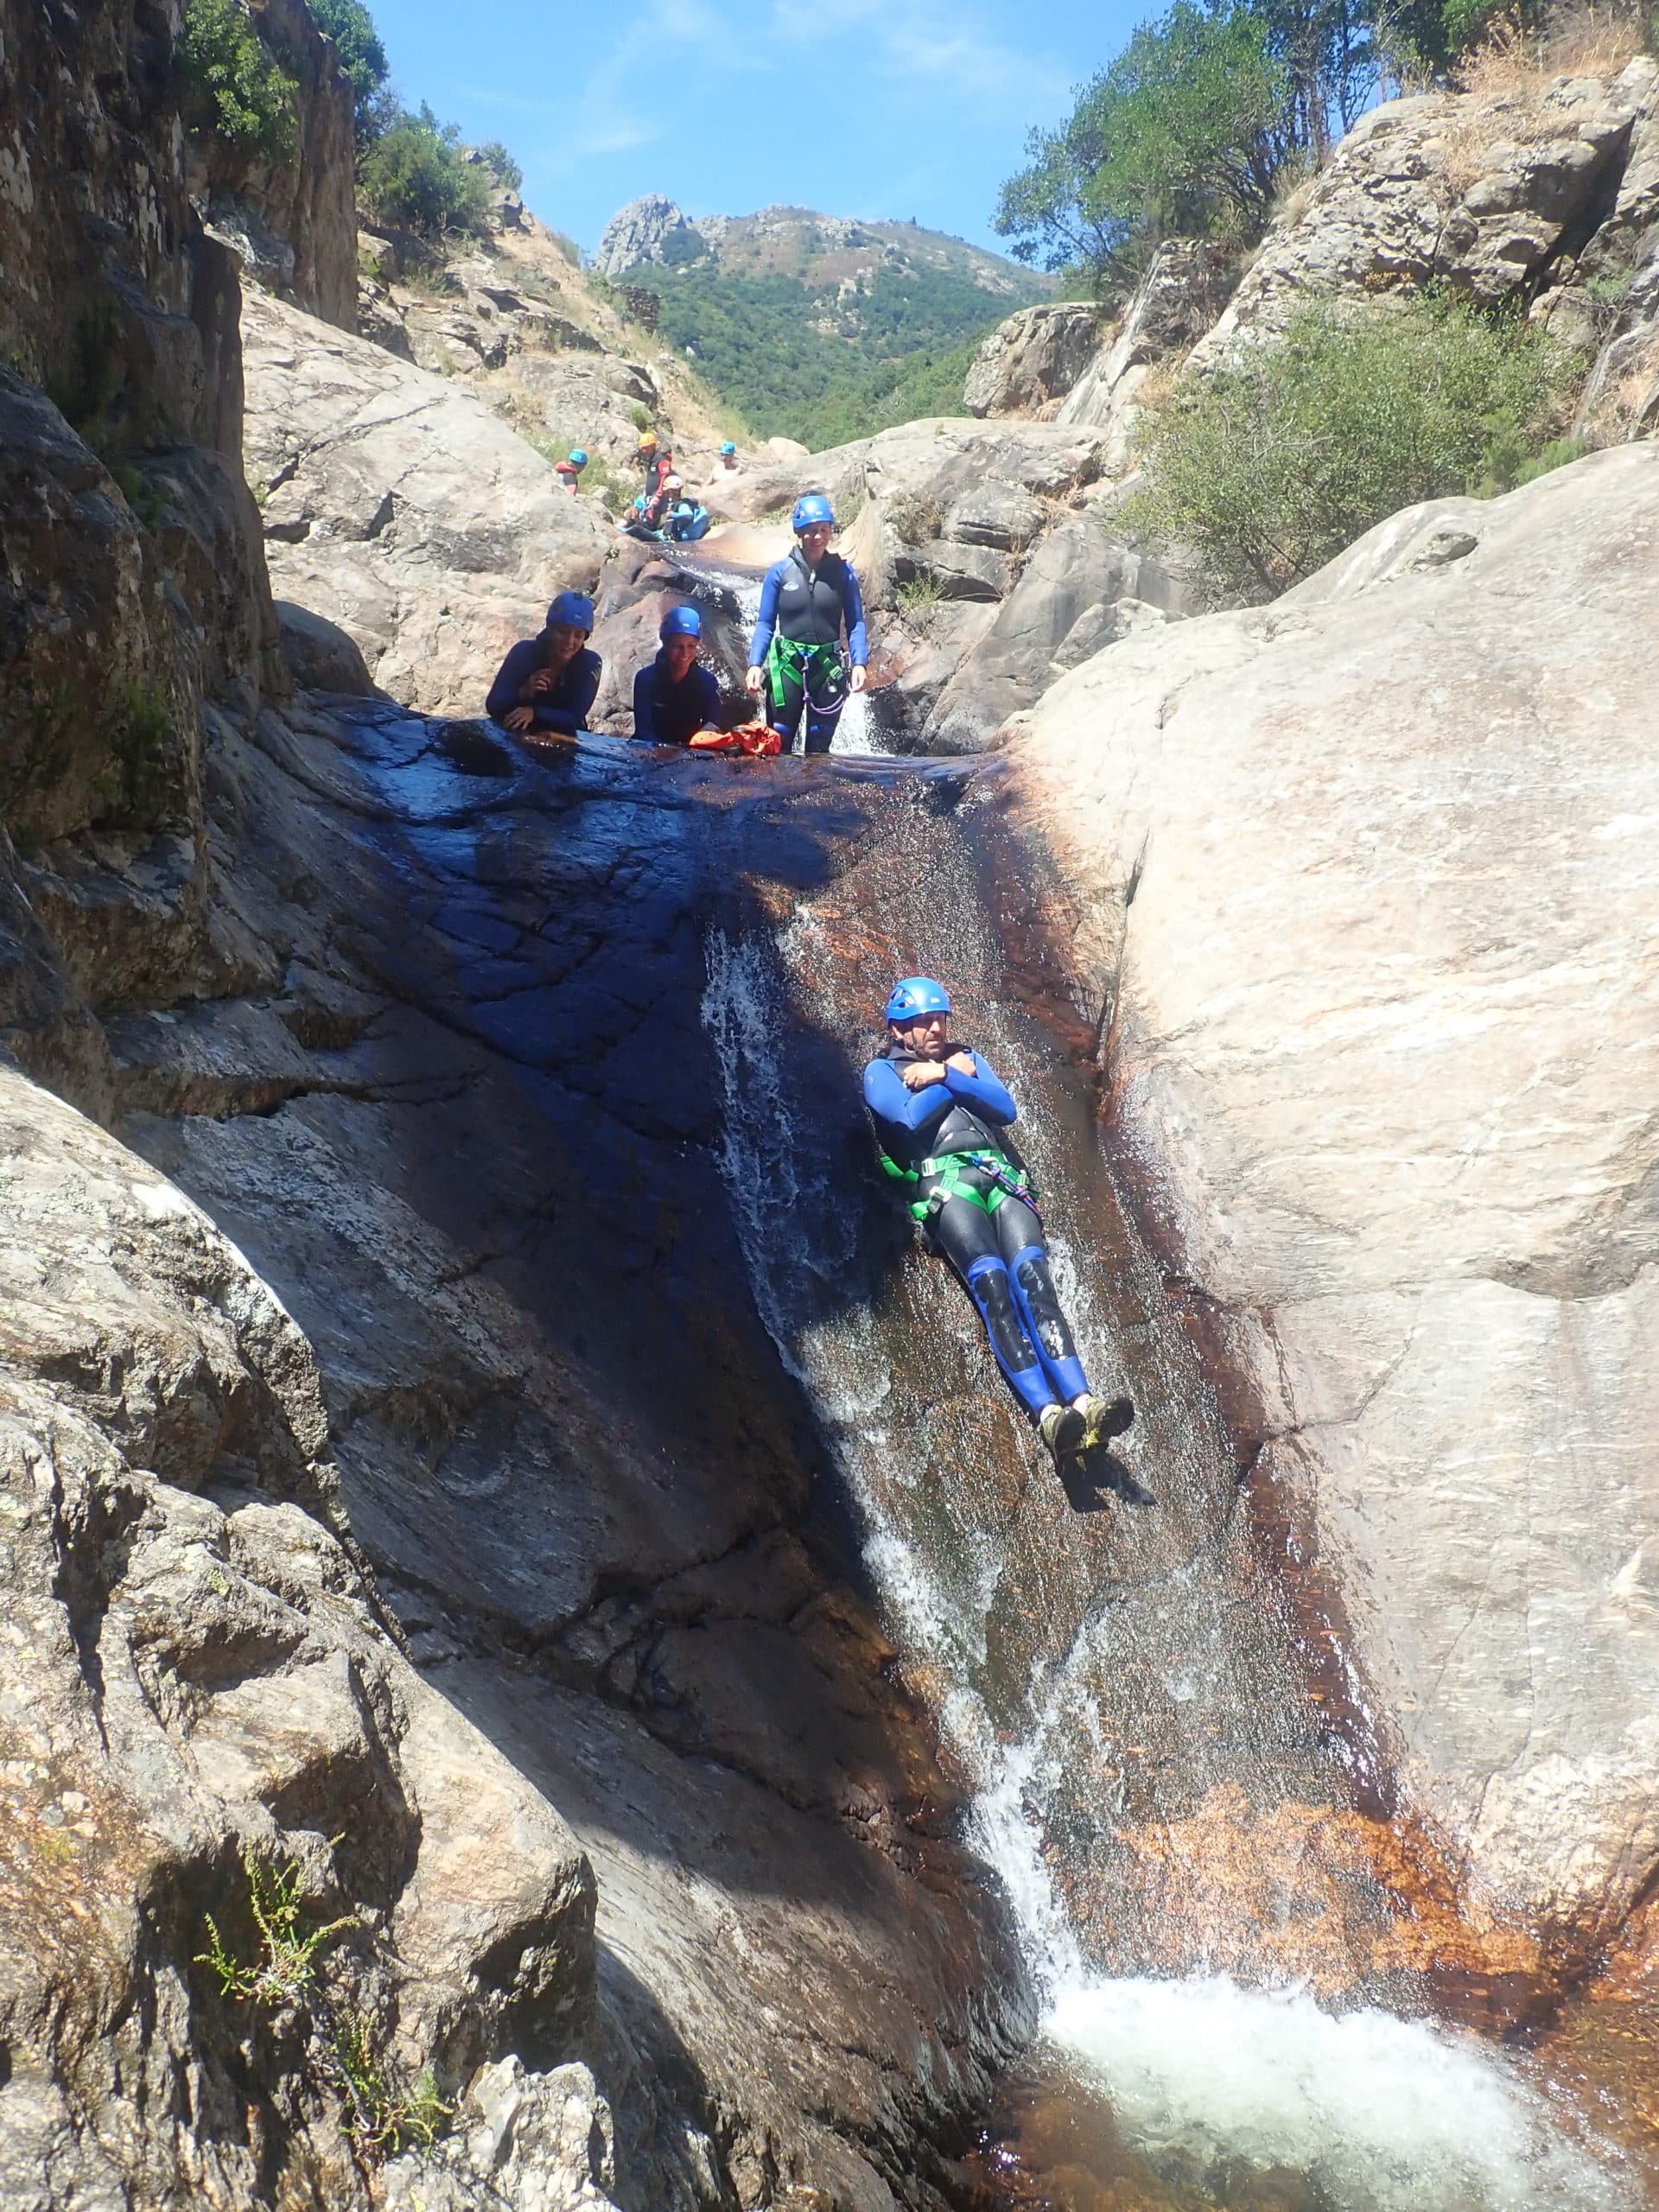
(543, 680)
(518, 720)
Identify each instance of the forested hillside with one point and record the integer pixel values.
(812, 327)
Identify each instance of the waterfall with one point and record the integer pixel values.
(1098, 1682)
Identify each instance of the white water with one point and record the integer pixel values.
(1208, 2081)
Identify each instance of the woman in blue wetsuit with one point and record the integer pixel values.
(942, 1119)
(545, 685)
(796, 658)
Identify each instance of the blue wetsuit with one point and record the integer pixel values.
(666, 712)
(797, 642)
(685, 522)
(952, 1137)
(563, 709)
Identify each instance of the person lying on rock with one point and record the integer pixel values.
(942, 1120)
(546, 685)
(673, 698)
(795, 659)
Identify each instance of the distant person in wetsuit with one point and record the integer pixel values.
(545, 685)
(942, 1120)
(673, 698)
(796, 658)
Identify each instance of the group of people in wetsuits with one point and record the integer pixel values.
(941, 1117)
(810, 651)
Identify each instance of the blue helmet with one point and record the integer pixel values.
(912, 996)
(680, 622)
(727, 446)
(578, 459)
(811, 507)
(573, 609)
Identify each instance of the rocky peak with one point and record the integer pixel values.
(637, 234)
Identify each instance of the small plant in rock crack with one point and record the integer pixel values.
(136, 783)
(385, 2112)
(286, 1971)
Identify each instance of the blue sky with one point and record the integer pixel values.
(857, 107)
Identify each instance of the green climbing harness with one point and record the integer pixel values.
(950, 1173)
(817, 671)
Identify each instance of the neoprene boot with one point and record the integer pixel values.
(1061, 1429)
(1104, 1418)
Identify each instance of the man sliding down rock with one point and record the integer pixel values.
(546, 685)
(942, 1120)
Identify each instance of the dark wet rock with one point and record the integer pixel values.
(319, 655)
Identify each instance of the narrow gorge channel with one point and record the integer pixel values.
(1173, 1774)
(590, 1107)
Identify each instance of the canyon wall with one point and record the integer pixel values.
(434, 1706)
(1365, 880)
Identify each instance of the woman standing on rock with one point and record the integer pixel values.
(546, 685)
(795, 659)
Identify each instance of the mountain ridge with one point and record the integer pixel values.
(816, 326)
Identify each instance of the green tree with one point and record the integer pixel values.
(1188, 130)
(362, 56)
(1269, 465)
(414, 177)
(230, 90)
(501, 165)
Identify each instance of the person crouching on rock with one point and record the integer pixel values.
(942, 1120)
(546, 685)
(796, 657)
(673, 698)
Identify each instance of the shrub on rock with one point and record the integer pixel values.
(415, 177)
(1275, 461)
(230, 88)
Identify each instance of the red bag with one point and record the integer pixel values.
(756, 738)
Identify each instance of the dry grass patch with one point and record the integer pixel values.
(1522, 87)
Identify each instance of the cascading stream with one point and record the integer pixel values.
(1167, 1808)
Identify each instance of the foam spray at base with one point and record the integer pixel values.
(1183, 1834)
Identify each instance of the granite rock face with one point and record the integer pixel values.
(200, 1679)
(403, 510)
(295, 224)
(1485, 194)
(1367, 876)
(1175, 302)
(637, 234)
(1030, 362)
(1084, 587)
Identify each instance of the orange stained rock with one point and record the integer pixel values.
(1352, 1906)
